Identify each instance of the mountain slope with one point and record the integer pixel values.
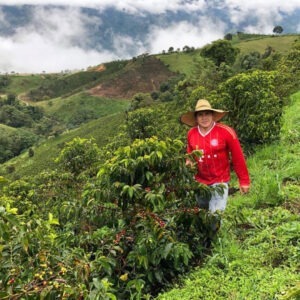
(142, 75)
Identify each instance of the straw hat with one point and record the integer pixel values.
(202, 104)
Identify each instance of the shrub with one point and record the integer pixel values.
(79, 155)
(159, 229)
(255, 110)
(141, 123)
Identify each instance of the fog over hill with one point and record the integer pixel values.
(51, 36)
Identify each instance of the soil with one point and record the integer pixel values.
(141, 75)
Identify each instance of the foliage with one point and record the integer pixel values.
(140, 124)
(255, 110)
(69, 84)
(220, 51)
(251, 60)
(103, 130)
(132, 231)
(288, 76)
(141, 100)
(125, 235)
(278, 29)
(78, 155)
(13, 142)
(157, 209)
(4, 81)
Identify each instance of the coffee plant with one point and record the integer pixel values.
(123, 234)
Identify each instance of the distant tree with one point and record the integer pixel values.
(11, 99)
(250, 60)
(278, 29)
(220, 51)
(164, 87)
(30, 152)
(140, 100)
(166, 96)
(186, 49)
(154, 95)
(268, 52)
(4, 81)
(228, 37)
(171, 49)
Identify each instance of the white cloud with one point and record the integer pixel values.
(183, 34)
(50, 42)
(42, 55)
(266, 12)
(126, 46)
(58, 38)
(131, 6)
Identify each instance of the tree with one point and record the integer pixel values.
(220, 51)
(250, 60)
(79, 155)
(255, 109)
(11, 99)
(141, 123)
(228, 37)
(278, 29)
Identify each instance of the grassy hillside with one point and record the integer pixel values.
(101, 130)
(184, 62)
(75, 82)
(120, 80)
(141, 75)
(55, 244)
(180, 62)
(22, 83)
(256, 254)
(280, 44)
(80, 107)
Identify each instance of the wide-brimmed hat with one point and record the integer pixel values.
(202, 104)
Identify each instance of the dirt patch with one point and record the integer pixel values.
(143, 75)
(99, 68)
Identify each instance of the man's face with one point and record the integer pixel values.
(204, 118)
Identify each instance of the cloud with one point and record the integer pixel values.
(54, 40)
(266, 14)
(62, 36)
(183, 34)
(130, 6)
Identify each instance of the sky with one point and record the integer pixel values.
(56, 38)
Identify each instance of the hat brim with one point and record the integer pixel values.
(189, 117)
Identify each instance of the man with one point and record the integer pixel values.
(219, 146)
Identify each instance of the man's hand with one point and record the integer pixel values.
(244, 189)
(190, 164)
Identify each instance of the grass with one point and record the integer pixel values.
(256, 253)
(101, 130)
(81, 107)
(180, 62)
(22, 83)
(185, 62)
(280, 44)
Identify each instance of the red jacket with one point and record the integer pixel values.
(219, 146)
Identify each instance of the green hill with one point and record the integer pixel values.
(102, 130)
(279, 44)
(88, 95)
(122, 222)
